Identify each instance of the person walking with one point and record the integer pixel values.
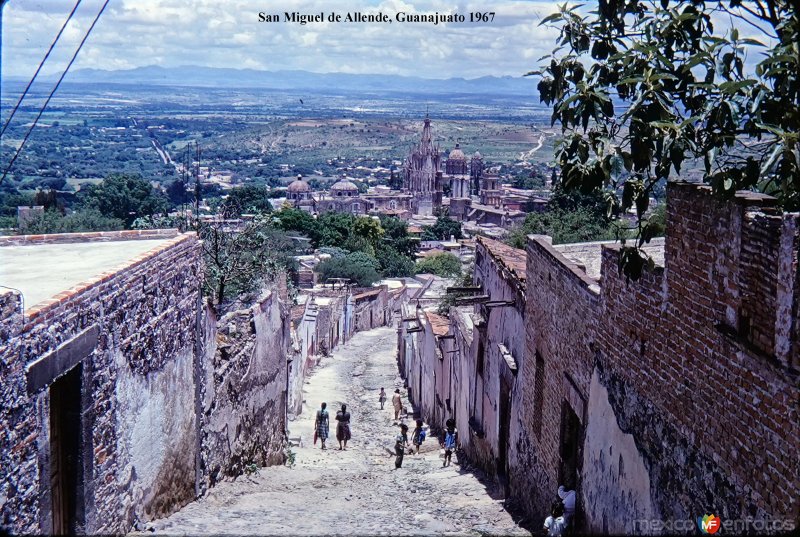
(450, 439)
(382, 397)
(397, 403)
(418, 436)
(343, 427)
(321, 424)
(400, 443)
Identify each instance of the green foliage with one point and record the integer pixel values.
(52, 221)
(449, 299)
(571, 216)
(578, 225)
(239, 261)
(444, 264)
(358, 267)
(247, 199)
(442, 230)
(158, 221)
(396, 236)
(334, 251)
(641, 87)
(124, 197)
(394, 264)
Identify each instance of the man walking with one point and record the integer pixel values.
(397, 402)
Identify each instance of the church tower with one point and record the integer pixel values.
(422, 176)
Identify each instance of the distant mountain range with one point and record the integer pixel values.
(285, 80)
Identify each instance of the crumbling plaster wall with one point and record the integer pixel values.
(244, 408)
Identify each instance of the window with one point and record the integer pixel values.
(538, 395)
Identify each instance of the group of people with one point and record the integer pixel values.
(322, 426)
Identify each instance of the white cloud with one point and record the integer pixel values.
(170, 33)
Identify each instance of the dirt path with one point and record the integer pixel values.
(352, 492)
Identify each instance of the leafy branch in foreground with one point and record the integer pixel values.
(641, 87)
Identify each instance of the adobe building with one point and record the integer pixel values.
(660, 399)
(116, 403)
(675, 395)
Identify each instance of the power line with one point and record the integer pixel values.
(41, 64)
(44, 106)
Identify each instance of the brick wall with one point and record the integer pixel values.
(688, 357)
(561, 313)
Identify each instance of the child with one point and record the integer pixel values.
(555, 524)
(418, 436)
(400, 443)
(382, 397)
(450, 439)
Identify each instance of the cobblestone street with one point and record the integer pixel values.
(356, 491)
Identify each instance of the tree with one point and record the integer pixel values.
(357, 267)
(240, 260)
(396, 235)
(247, 199)
(125, 197)
(52, 221)
(444, 264)
(578, 225)
(444, 228)
(394, 264)
(640, 87)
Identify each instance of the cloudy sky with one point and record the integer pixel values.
(215, 33)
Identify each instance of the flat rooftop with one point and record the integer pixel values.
(589, 254)
(41, 271)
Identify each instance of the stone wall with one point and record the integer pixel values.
(132, 333)
(660, 369)
(245, 389)
(167, 404)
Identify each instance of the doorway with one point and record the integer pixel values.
(66, 469)
(570, 446)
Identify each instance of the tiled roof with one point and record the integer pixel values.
(439, 324)
(513, 258)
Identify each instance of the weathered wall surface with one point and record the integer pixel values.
(500, 341)
(139, 338)
(615, 481)
(560, 320)
(691, 355)
(628, 390)
(244, 416)
(144, 316)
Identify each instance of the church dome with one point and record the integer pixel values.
(457, 154)
(344, 186)
(299, 185)
(477, 155)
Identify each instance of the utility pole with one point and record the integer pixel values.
(197, 190)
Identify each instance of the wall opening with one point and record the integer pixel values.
(538, 397)
(66, 468)
(570, 444)
(504, 426)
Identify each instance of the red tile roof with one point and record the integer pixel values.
(513, 258)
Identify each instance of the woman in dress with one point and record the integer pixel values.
(343, 427)
(321, 424)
